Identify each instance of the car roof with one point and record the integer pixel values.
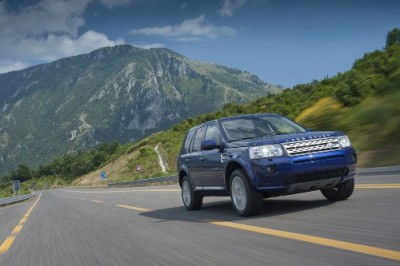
(247, 116)
(233, 118)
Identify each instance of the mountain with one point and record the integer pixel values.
(118, 93)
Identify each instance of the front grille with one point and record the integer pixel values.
(301, 178)
(311, 146)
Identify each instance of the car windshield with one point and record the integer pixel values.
(252, 127)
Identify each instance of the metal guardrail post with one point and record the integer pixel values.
(11, 200)
(144, 181)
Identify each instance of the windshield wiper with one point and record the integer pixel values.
(257, 137)
(246, 138)
(284, 133)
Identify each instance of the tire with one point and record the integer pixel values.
(246, 200)
(191, 199)
(342, 191)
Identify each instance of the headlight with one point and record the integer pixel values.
(344, 141)
(266, 151)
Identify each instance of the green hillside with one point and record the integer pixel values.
(363, 102)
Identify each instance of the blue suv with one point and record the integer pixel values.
(251, 157)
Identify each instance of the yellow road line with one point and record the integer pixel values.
(123, 191)
(133, 208)
(9, 240)
(6, 244)
(377, 186)
(374, 251)
(157, 190)
(17, 229)
(380, 184)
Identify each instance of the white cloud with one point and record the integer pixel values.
(191, 29)
(54, 16)
(149, 46)
(54, 47)
(228, 7)
(114, 3)
(46, 31)
(8, 66)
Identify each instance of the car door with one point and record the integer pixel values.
(192, 159)
(212, 166)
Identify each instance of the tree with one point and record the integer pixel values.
(393, 37)
(98, 158)
(354, 87)
(23, 173)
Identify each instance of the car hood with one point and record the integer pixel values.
(283, 138)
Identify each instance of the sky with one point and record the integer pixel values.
(284, 42)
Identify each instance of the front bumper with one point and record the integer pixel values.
(288, 175)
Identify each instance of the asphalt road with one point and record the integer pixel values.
(149, 226)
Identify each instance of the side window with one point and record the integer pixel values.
(188, 140)
(213, 133)
(198, 138)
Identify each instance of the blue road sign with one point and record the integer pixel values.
(103, 176)
(16, 184)
(16, 187)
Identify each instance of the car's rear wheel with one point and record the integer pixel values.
(191, 199)
(246, 200)
(341, 191)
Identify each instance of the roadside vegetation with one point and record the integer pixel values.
(363, 102)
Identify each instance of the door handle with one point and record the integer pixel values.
(202, 158)
(187, 160)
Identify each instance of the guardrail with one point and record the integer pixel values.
(174, 179)
(11, 200)
(146, 181)
(379, 170)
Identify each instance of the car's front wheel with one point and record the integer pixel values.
(246, 200)
(191, 199)
(341, 191)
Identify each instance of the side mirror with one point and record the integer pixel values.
(209, 144)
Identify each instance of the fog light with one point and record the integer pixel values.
(270, 169)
